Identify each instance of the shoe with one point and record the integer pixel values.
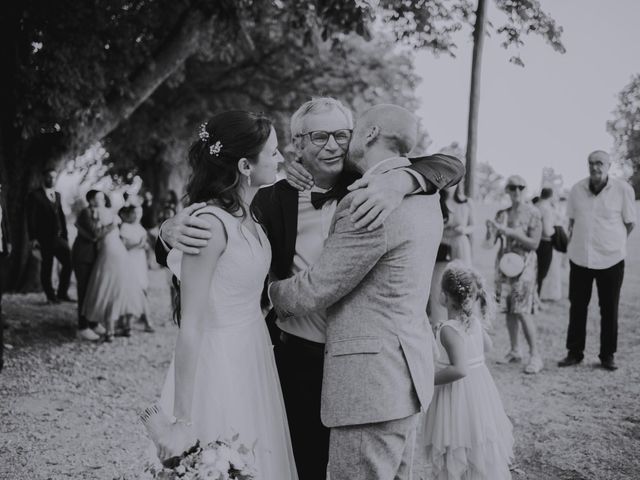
(65, 298)
(511, 357)
(569, 361)
(88, 335)
(609, 364)
(149, 329)
(53, 300)
(108, 337)
(534, 366)
(99, 329)
(126, 332)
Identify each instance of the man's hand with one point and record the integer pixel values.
(185, 232)
(378, 196)
(298, 176)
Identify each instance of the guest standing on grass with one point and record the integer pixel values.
(601, 214)
(545, 249)
(518, 228)
(83, 257)
(47, 228)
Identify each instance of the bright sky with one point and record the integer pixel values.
(552, 112)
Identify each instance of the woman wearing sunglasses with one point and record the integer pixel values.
(518, 229)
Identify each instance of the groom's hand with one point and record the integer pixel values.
(185, 232)
(377, 196)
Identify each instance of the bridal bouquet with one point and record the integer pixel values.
(219, 460)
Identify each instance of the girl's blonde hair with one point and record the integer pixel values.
(466, 287)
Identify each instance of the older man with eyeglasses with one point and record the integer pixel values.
(297, 221)
(602, 214)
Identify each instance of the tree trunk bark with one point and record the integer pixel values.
(175, 51)
(474, 96)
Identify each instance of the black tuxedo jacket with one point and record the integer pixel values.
(276, 207)
(45, 219)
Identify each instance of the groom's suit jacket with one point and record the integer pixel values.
(378, 356)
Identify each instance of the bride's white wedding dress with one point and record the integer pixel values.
(236, 381)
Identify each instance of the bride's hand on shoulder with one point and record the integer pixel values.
(298, 176)
(185, 231)
(176, 439)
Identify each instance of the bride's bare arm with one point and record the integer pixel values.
(196, 273)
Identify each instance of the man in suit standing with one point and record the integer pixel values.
(297, 224)
(378, 364)
(83, 256)
(5, 251)
(47, 228)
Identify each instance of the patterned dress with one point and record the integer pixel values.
(518, 294)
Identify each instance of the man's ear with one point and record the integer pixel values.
(298, 146)
(373, 133)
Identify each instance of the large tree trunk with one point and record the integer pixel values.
(474, 96)
(178, 47)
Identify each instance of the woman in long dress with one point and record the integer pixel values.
(455, 245)
(112, 293)
(223, 379)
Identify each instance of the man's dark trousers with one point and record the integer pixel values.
(300, 364)
(58, 248)
(608, 283)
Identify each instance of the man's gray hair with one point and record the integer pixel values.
(317, 105)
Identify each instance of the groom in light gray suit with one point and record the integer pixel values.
(378, 371)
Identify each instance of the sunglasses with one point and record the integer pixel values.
(321, 137)
(513, 188)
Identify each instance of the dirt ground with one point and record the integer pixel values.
(70, 409)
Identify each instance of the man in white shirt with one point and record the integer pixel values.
(601, 212)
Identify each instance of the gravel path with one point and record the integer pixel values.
(69, 409)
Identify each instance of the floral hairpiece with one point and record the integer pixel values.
(203, 134)
(215, 148)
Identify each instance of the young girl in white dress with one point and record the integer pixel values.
(223, 379)
(136, 240)
(467, 435)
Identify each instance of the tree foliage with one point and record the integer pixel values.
(625, 129)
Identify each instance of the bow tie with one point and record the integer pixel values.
(318, 199)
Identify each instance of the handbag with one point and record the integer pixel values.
(511, 264)
(559, 239)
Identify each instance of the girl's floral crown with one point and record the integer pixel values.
(214, 149)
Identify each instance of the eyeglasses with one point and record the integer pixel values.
(513, 188)
(321, 137)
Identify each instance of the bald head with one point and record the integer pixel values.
(386, 129)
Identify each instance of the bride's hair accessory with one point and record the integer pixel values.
(203, 134)
(215, 148)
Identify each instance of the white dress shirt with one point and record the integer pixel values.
(599, 237)
(313, 229)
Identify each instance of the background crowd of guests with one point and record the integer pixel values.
(591, 225)
(109, 257)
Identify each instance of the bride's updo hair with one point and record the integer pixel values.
(223, 140)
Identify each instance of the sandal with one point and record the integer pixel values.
(534, 366)
(511, 357)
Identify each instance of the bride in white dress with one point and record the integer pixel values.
(223, 379)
